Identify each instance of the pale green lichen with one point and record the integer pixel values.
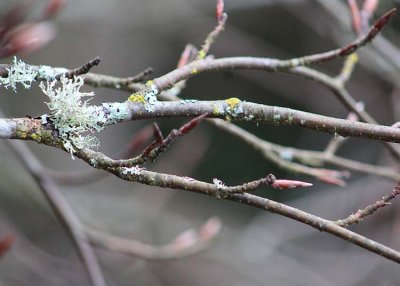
(70, 114)
(18, 72)
(49, 73)
(24, 74)
(286, 154)
(184, 101)
(135, 170)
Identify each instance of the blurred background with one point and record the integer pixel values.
(254, 247)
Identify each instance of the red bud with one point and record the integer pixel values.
(30, 37)
(289, 184)
(219, 9)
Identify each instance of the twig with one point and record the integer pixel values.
(175, 182)
(344, 96)
(137, 78)
(62, 209)
(168, 80)
(369, 210)
(347, 69)
(151, 152)
(188, 243)
(282, 156)
(355, 16)
(336, 141)
(81, 70)
(211, 37)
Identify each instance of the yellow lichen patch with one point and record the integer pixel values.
(36, 137)
(215, 109)
(201, 55)
(137, 98)
(194, 71)
(232, 102)
(149, 83)
(21, 134)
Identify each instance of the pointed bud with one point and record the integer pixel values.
(5, 243)
(289, 184)
(186, 239)
(219, 10)
(31, 37)
(53, 7)
(210, 229)
(370, 6)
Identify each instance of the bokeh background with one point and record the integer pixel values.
(254, 246)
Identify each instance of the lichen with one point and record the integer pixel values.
(147, 96)
(232, 102)
(234, 107)
(18, 72)
(184, 101)
(135, 170)
(49, 73)
(70, 114)
(137, 97)
(36, 137)
(201, 55)
(216, 110)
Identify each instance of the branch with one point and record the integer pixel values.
(81, 70)
(273, 65)
(186, 244)
(175, 182)
(369, 210)
(282, 156)
(63, 211)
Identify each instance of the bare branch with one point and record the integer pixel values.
(186, 244)
(81, 70)
(369, 210)
(63, 211)
(175, 182)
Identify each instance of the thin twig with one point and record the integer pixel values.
(175, 182)
(344, 96)
(168, 80)
(150, 153)
(186, 244)
(63, 210)
(282, 156)
(369, 210)
(213, 35)
(80, 70)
